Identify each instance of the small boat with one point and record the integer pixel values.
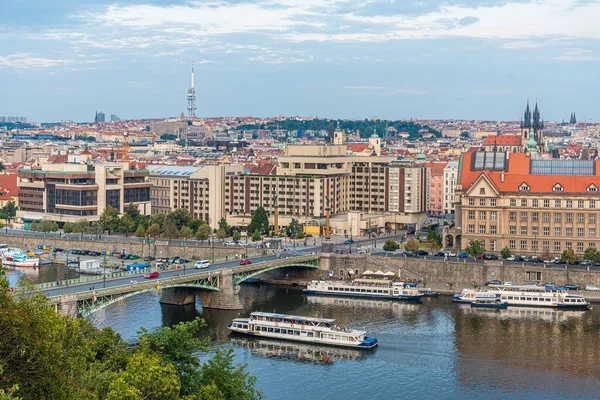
(489, 301)
(16, 258)
(320, 331)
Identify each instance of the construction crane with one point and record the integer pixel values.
(125, 147)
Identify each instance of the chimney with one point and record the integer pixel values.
(502, 177)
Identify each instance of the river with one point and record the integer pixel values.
(435, 349)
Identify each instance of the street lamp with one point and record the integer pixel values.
(67, 267)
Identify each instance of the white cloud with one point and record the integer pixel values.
(578, 55)
(26, 61)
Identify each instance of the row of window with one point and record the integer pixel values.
(533, 216)
(524, 230)
(534, 245)
(557, 203)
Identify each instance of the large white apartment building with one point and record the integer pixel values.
(450, 181)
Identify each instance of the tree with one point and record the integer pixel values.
(412, 245)
(95, 228)
(203, 232)
(81, 226)
(195, 224)
(157, 382)
(237, 236)
(256, 237)
(260, 221)
(433, 235)
(68, 227)
(10, 210)
(136, 216)
(54, 227)
(475, 248)
(568, 256)
(127, 225)
(181, 217)
(185, 233)
(170, 229)
(158, 219)
(505, 253)
(109, 219)
(223, 225)
(140, 232)
(221, 234)
(153, 232)
(293, 228)
(592, 254)
(391, 245)
(232, 381)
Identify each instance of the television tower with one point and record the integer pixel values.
(191, 98)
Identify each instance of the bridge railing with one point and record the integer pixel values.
(282, 261)
(111, 275)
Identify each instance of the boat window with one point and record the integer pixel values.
(276, 330)
(297, 333)
(310, 334)
(245, 326)
(257, 328)
(271, 330)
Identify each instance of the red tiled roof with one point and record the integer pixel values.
(518, 173)
(357, 147)
(504, 140)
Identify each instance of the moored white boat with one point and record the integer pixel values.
(321, 331)
(485, 300)
(374, 288)
(12, 257)
(531, 296)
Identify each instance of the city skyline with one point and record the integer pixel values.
(335, 59)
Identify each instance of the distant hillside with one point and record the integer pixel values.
(365, 127)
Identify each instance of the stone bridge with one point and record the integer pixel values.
(217, 288)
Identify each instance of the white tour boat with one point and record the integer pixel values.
(375, 288)
(532, 296)
(16, 258)
(301, 329)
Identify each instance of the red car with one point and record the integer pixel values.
(245, 262)
(152, 275)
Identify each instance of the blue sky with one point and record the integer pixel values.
(464, 59)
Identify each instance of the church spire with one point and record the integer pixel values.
(526, 117)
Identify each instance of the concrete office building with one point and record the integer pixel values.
(70, 192)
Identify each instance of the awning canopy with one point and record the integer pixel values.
(378, 273)
(389, 274)
(368, 272)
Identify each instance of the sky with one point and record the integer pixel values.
(394, 59)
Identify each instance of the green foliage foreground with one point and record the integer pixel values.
(47, 356)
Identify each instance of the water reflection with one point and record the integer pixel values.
(296, 351)
(39, 275)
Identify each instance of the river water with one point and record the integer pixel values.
(435, 349)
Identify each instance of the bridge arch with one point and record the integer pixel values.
(239, 277)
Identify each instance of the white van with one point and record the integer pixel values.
(202, 264)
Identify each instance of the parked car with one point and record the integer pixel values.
(58, 250)
(152, 275)
(173, 259)
(592, 288)
(133, 257)
(422, 253)
(572, 286)
(148, 258)
(181, 261)
(202, 264)
(462, 254)
(162, 260)
(409, 254)
(551, 284)
(440, 254)
(490, 257)
(450, 254)
(122, 256)
(245, 262)
(94, 253)
(586, 262)
(493, 282)
(518, 258)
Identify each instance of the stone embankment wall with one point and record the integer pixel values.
(163, 249)
(455, 272)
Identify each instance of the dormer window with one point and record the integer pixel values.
(558, 188)
(482, 191)
(524, 187)
(592, 188)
